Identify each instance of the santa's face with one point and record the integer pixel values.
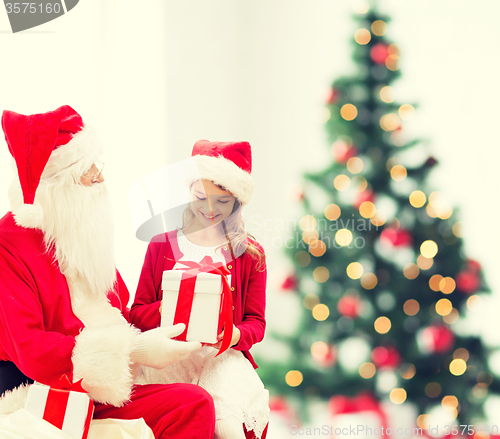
(93, 175)
(210, 204)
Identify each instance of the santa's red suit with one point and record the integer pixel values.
(61, 314)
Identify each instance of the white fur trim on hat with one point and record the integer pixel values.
(80, 152)
(225, 173)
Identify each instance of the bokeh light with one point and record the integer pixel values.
(417, 199)
(458, 367)
(398, 173)
(382, 325)
(450, 401)
(474, 303)
(317, 248)
(389, 122)
(379, 28)
(424, 263)
(367, 370)
(457, 229)
(355, 270)
(342, 182)
(447, 285)
(367, 209)
(397, 396)
(443, 307)
(407, 371)
(310, 301)
(321, 274)
(411, 271)
(307, 223)
(362, 36)
(332, 212)
(343, 237)
(320, 312)
(452, 317)
(411, 307)
(461, 353)
(349, 112)
(434, 282)
(429, 249)
(310, 236)
(388, 94)
(294, 378)
(369, 281)
(406, 112)
(355, 165)
(319, 349)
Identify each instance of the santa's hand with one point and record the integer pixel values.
(154, 348)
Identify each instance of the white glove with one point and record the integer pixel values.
(154, 348)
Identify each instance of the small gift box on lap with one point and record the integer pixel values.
(199, 297)
(65, 405)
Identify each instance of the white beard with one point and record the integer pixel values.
(78, 225)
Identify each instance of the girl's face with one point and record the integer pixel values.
(210, 204)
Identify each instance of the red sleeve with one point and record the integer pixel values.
(122, 291)
(253, 325)
(145, 311)
(41, 355)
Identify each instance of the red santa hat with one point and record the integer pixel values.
(46, 143)
(227, 164)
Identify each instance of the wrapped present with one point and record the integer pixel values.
(65, 405)
(200, 297)
(361, 416)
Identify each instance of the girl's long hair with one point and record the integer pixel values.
(234, 230)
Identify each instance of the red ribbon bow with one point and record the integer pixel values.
(57, 401)
(185, 300)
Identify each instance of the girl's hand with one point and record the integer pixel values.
(234, 340)
(161, 304)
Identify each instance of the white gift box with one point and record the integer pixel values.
(72, 413)
(204, 318)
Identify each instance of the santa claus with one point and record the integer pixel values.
(63, 305)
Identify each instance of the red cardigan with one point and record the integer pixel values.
(247, 284)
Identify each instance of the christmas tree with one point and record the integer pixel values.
(379, 262)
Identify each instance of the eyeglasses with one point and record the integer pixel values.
(95, 178)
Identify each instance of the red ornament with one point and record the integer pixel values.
(386, 357)
(366, 195)
(473, 266)
(468, 282)
(437, 339)
(333, 96)
(342, 151)
(396, 237)
(379, 53)
(349, 306)
(290, 282)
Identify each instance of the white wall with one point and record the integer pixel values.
(156, 80)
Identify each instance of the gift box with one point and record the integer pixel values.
(203, 315)
(65, 405)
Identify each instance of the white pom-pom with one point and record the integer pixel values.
(29, 216)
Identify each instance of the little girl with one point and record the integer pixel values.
(213, 226)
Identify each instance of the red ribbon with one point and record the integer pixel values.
(363, 402)
(186, 295)
(57, 402)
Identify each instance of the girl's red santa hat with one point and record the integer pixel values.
(227, 164)
(46, 146)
